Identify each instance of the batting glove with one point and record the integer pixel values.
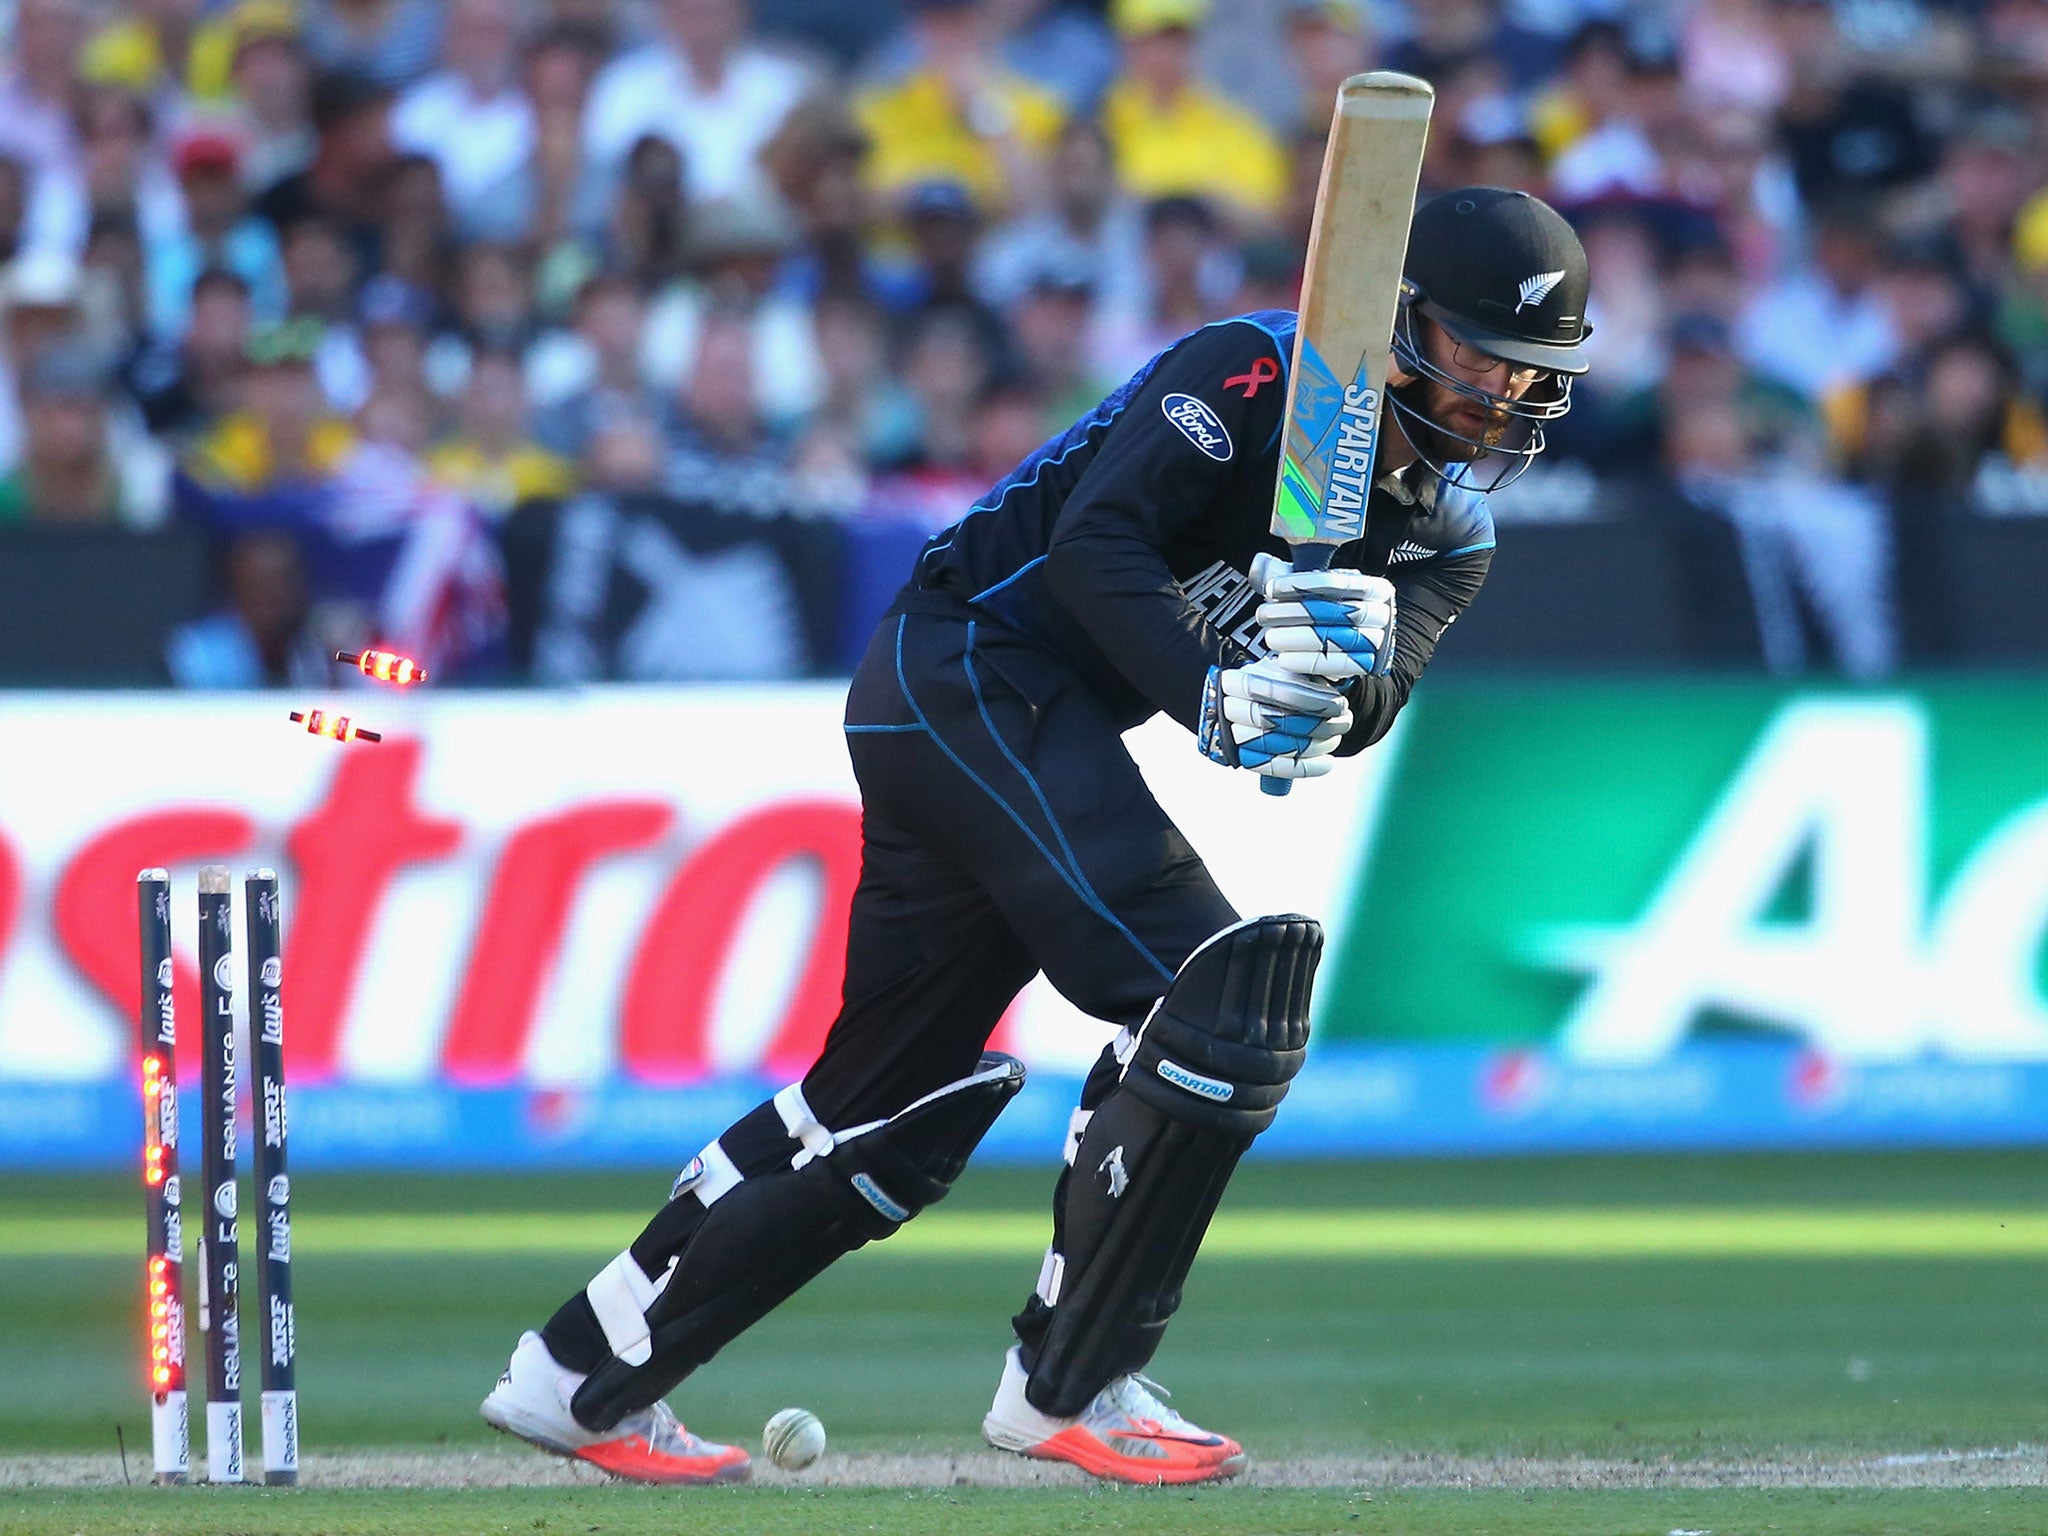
(1334, 625)
(1271, 720)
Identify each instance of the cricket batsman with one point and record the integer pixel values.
(1122, 569)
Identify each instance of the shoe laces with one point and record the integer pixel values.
(662, 1431)
(1140, 1397)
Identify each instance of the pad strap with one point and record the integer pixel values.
(791, 1207)
(802, 1125)
(620, 1295)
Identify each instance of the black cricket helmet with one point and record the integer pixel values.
(1502, 274)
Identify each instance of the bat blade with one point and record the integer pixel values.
(1350, 290)
(1344, 338)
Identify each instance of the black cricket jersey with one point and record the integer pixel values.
(1124, 544)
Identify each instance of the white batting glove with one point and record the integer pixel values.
(1329, 624)
(1271, 720)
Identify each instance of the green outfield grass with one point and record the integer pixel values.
(1634, 1308)
(1020, 1512)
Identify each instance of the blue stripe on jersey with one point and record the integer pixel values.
(1080, 881)
(1467, 514)
(1278, 324)
(1053, 451)
(992, 591)
(1073, 878)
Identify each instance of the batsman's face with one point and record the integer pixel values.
(1470, 427)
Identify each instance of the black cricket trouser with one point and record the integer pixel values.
(1005, 831)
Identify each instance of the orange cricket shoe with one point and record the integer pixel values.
(531, 1400)
(1126, 1434)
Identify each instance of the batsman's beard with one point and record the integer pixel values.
(1440, 444)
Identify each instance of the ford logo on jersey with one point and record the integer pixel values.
(1199, 425)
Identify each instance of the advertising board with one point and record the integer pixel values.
(537, 929)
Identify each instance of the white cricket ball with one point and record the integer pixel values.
(794, 1439)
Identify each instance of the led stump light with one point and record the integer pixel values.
(334, 727)
(384, 666)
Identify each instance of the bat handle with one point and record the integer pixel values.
(1307, 557)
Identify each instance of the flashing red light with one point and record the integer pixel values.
(384, 666)
(152, 1096)
(334, 727)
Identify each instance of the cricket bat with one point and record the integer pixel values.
(1349, 294)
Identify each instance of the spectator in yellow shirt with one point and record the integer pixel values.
(1174, 136)
(284, 432)
(176, 49)
(492, 459)
(959, 115)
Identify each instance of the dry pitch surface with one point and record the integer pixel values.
(2023, 1466)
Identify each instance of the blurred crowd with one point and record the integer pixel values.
(345, 282)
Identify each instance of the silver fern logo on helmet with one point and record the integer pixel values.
(1535, 290)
